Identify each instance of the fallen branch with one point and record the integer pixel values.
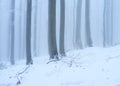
(20, 73)
(52, 61)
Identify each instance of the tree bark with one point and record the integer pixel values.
(12, 58)
(20, 31)
(28, 33)
(35, 28)
(108, 23)
(62, 28)
(52, 30)
(78, 25)
(87, 24)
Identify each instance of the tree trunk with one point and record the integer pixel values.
(78, 25)
(52, 30)
(74, 23)
(108, 23)
(20, 31)
(28, 33)
(62, 28)
(87, 23)
(12, 59)
(35, 28)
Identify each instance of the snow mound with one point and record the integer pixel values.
(88, 67)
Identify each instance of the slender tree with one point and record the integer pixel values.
(52, 30)
(35, 28)
(78, 25)
(28, 33)
(12, 59)
(87, 23)
(74, 23)
(20, 31)
(62, 28)
(104, 25)
(108, 23)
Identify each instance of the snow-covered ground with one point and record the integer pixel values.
(89, 67)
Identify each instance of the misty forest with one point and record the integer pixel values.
(59, 42)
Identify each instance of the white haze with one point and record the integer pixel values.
(96, 19)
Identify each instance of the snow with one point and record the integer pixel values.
(88, 67)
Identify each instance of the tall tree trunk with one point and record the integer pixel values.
(35, 28)
(74, 23)
(62, 28)
(108, 23)
(12, 59)
(28, 33)
(87, 23)
(78, 25)
(20, 31)
(52, 30)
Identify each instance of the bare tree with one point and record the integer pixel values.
(87, 23)
(12, 58)
(78, 40)
(108, 23)
(52, 30)
(28, 33)
(62, 28)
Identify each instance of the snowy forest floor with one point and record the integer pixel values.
(88, 67)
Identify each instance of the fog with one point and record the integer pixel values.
(39, 38)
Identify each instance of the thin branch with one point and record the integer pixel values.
(20, 73)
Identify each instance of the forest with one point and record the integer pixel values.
(56, 33)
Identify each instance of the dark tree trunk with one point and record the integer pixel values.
(62, 28)
(12, 59)
(28, 33)
(87, 23)
(52, 30)
(78, 25)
